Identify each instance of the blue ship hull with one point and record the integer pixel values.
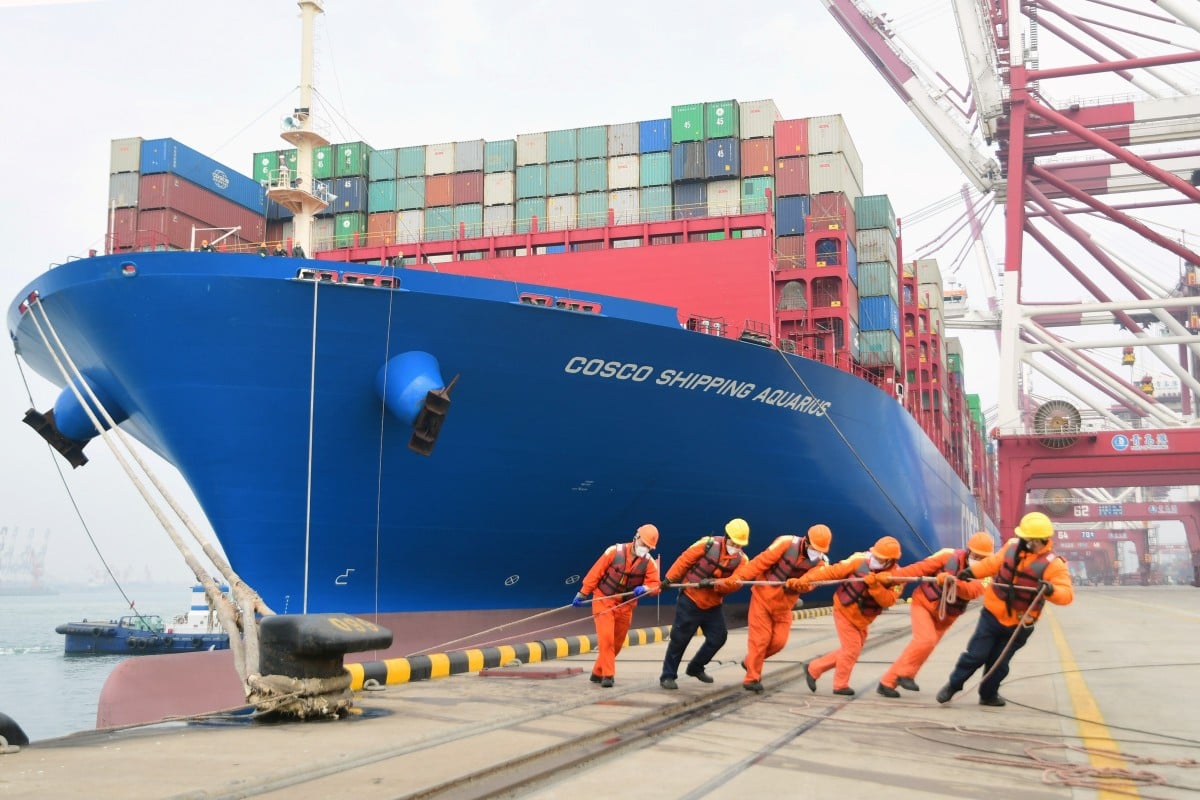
(109, 639)
(566, 431)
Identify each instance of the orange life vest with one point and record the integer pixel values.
(1019, 600)
(856, 593)
(714, 563)
(621, 576)
(794, 562)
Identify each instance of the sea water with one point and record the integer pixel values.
(50, 694)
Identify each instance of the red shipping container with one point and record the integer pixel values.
(381, 228)
(468, 188)
(166, 227)
(791, 137)
(789, 252)
(439, 190)
(167, 191)
(831, 210)
(791, 176)
(123, 227)
(758, 157)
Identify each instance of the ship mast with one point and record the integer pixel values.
(296, 189)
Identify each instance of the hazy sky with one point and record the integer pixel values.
(218, 76)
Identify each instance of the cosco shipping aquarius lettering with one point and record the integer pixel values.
(515, 372)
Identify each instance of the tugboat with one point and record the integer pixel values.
(147, 634)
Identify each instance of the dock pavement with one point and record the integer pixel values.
(1101, 704)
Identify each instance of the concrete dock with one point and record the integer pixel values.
(1100, 705)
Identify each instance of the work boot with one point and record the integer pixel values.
(668, 683)
(945, 693)
(809, 679)
(908, 683)
(606, 682)
(753, 686)
(886, 691)
(743, 664)
(996, 701)
(595, 678)
(846, 690)
(699, 674)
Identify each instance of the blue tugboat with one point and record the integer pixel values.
(148, 634)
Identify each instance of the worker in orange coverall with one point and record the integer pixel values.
(621, 569)
(1023, 567)
(856, 604)
(927, 629)
(707, 562)
(769, 620)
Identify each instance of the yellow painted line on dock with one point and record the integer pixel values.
(1092, 729)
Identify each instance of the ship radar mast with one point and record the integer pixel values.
(294, 188)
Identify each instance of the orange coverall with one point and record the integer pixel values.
(613, 615)
(769, 619)
(927, 629)
(850, 620)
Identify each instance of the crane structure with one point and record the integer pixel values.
(1057, 167)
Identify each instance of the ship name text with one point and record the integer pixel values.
(697, 382)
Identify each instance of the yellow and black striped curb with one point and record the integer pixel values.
(441, 665)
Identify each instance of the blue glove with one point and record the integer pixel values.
(578, 601)
(638, 591)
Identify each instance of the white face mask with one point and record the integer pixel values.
(641, 550)
(873, 562)
(973, 559)
(731, 548)
(815, 555)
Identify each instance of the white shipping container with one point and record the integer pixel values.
(498, 220)
(561, 212)
(625, 204)
(439, 158)
(758, 118)
(531, 148)
(724, 198)
(928, 271)
(126, 154)
(623, 172)
(833, 173)
(875, 244)
(499, 188)
(829, 134)
(123, 189)
(623, 139)
(410, 226)
(322, 233)
(468, 156)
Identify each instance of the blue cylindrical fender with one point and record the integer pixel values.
(71, 419)
(404, 380)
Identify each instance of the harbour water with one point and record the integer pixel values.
(50, 694)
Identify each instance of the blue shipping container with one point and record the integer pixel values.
(351, 195)
(878, 314)
(852, 262)
(687, 161)
(691, 200)
(791, 214)
(723, 158)
(654, 135)
(168, 155)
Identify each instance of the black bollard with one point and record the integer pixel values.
(11, 731)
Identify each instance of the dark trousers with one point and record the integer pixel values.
(984, 649)
(688, 618)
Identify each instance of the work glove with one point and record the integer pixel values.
(578, 601)
(638, 591)
(943, 578)
(966, 574)
(706, 583)
(1047, 588)
(666, 584)
(797, 585)
(727, 585)
(873, 579)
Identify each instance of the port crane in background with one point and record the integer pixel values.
(1063, 172)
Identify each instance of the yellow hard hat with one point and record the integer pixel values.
(887, 549)
(820, 537)
(981, 544)
(1035, 525)
(738, 530)
(649, 535)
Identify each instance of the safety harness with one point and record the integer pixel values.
(620, 577)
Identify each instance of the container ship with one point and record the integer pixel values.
(503, 356)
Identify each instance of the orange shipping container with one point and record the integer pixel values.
(758, 157)
(439, 191)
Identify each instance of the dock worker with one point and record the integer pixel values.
(623, 573)
(205, 247)
(856, 604)
(931, 618)
(708, 562)
(1025, 573)
(769, 620)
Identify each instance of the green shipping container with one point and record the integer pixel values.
(383, 165)
(410, 194)
(655, 169)
(593, 209)
(593, 175)
(410, 162)
(722, 120)
(469, 219)
(878, 279)
(754, 194)
(560, 178)
(687, 123)
(500, 156)
(322, 168)
(381, 196)
(593, 142)
(531, 181)
(562, 145)
(439, 223)
(973, 402)
(263, 164)
(875, 211)
(527, 209)
(655, 203)
(878, 348)
(346, 226)
(953, 360)
(351, 159)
